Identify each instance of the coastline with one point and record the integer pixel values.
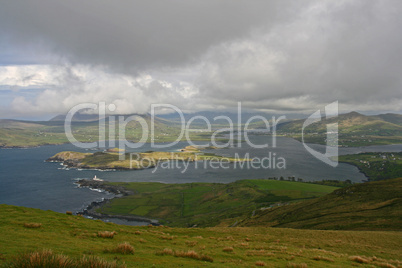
(119, 191)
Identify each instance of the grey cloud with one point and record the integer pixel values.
(271, 55)
(134, 34)
(349, 52)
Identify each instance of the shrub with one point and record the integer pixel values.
(69, 213)
(106, 234)
(137, 232)
(32, 225)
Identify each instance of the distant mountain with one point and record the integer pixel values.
(366, 206)
(78, 117)
(392, 118)
(17, 133)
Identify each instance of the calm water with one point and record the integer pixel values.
(26, 180)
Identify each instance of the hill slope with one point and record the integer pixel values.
(206, 204)
(367, 206)
(75, 236)
(354, 129)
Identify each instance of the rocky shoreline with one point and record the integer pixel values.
(119, 191)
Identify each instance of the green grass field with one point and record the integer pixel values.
(364, 206)
(75, 237)
(208, 204)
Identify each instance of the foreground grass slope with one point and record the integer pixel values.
(366, 206)
(208, 204)
(75, 237)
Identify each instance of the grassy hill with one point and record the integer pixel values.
(72, 238)
(376, 166)
(366, 206)
(354, 129)
(207, 204)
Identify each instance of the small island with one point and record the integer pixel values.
(110, 159)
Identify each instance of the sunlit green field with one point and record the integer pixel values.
(208, 204)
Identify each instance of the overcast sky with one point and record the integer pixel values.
(273, 56)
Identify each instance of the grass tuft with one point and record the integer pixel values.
(107, 234)
(296, 265)
(47, 259)
(321, 258)
(260, 263)
(191, 243)
(359, 259)
(124, 248)
(185, 254)
(32, 225)
(227, 249)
